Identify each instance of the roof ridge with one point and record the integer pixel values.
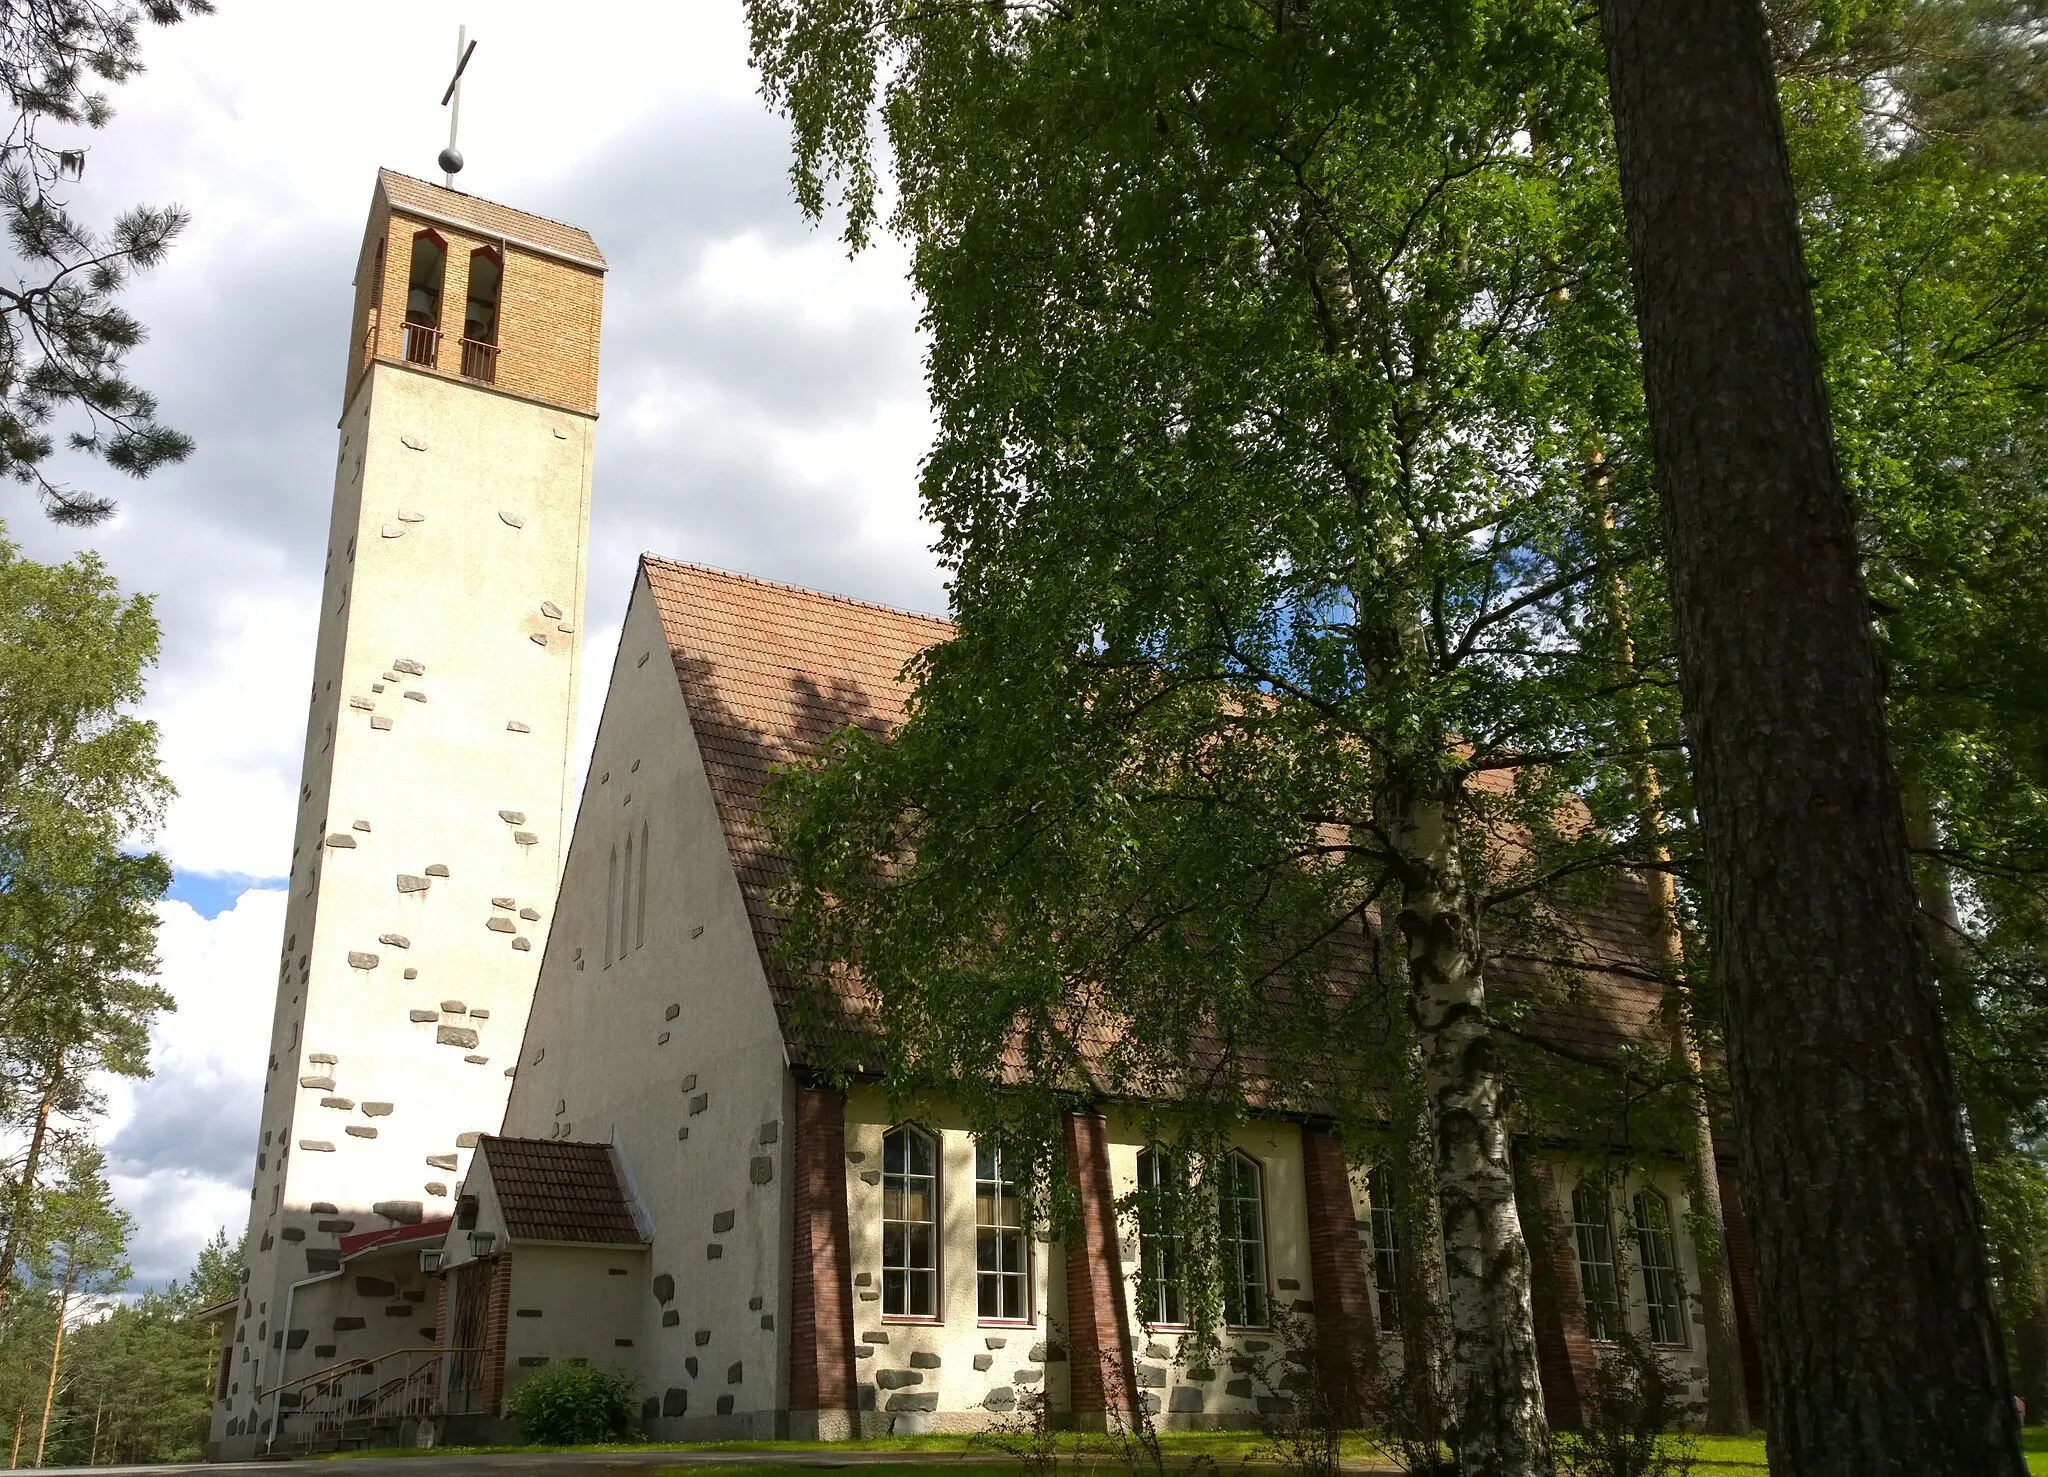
(384, 169)
(755, 579)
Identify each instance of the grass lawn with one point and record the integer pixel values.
(1719, 1456)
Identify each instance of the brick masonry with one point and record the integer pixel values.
(497, 1313)
(1735, 1238)
(821, 1359)
(1098, 1335)
(1347, 1344)
(548, 311)
(1564, 1350)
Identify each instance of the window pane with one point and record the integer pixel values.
(923, 1303)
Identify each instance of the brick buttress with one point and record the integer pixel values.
(821, 1263)
(1347, 1343)
(1098, 1336)
(1565, 1360)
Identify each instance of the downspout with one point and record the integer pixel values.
(284, 1353)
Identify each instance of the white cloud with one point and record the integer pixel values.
(762, 409)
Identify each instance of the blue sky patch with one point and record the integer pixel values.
(210, 894)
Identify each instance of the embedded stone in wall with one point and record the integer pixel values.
(914, 1400)
(538, 638)
(410, 667)
(713, 1252)
(435, 1187)
(337, 1102)
(1046, 1354)
(408, 883)
(662, 1039)
(672, 1012)
(348, 1324)
(357, 959)
(1151, 1377)
(924, 1361)
(421, 1017)
(405, 1212)
(296, 1339)
(690, 1364)
(995, 1343)
(1201, 1372)
(702, 1336)
(551, 610)
(671, 1318)
(441, 1161)
(1242, 1389)
(479, 1015)
(1185, 1400)
(1033, 1376)
(509, 1071)
(395, 940)
(664, 1288)
(468, 1140)
(362, 704)
(414, 695)
(478, 1061)
(690, 1083)
(408, 515)
(392, 530)
(512, 817)
(376, 1110)
(360, 1131)
(721, 1222)
(527, 1312)
(699, 1103)
(324, 1058)
(876, 1337)
(515, 726)
(675, 1401)
(437, 869)
(682, 1133)
(1287, 1284)
(725, 1405)
(359, 825)
(289, 1233)
(323, 1207)
(455, 1036)
(871, 1176)
(316, 1146)
(380, 723)
(342, 840)
(983, 1361)
(454, 1007)
(375, 1287)
(770, 1132)
(650, 1408)
(863, 1352)
(499, 925)
(531, 915)
(511, 520)
(732, 1375)
(522, 945)
(1002, 1397)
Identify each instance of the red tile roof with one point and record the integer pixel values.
(488, 218)
(770, 671)
(559, 1190)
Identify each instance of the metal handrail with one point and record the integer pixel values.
(422, 344)
(479, 361)
(334, 1400)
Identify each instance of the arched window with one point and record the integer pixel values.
(1240, 1199)
(1593, 1239)
(910, 1230)
(1663, 1288)
(423, 297)
(1000, 1282)
(1386, 1246)
(480, 315)
(1162, 1247)
(626, 901)
(640, 894)
(611, 903)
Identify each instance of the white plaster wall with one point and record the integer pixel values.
(423, 567)
(574, 1304)
(671, 1052)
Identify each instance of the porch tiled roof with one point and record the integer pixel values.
(559, 1190)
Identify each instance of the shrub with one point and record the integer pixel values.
(572, 1404)
(1632, 1422)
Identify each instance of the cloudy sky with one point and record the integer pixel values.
(762, 409)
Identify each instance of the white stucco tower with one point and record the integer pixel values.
(435, 803)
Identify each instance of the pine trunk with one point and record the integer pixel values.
(1882, 1353)
(1496, 1393)
(20, 1213)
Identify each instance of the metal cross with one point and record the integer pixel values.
(451, 157)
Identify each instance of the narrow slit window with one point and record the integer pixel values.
(910, 1231)
(611, 903)
(640, 900)
(1162, 1248)
(1593, 1239)
(1663, 1287)
(480, 315)
(626, 901)
(1000, 1284)
(1242, 1204)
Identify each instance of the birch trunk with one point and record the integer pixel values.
(56, 1353)
(18, 1215)
(1496, 1393)
(1425, 1321)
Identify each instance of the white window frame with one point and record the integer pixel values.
(1002, 1245)
(903, 1272)
(1247, 1288)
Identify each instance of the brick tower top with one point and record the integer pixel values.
(451, 284)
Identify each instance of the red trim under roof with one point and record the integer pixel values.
(364, 1241)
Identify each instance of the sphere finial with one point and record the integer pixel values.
(450, 160)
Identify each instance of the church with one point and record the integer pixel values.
(595, 1132)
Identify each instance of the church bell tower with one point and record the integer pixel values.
(434, 804)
